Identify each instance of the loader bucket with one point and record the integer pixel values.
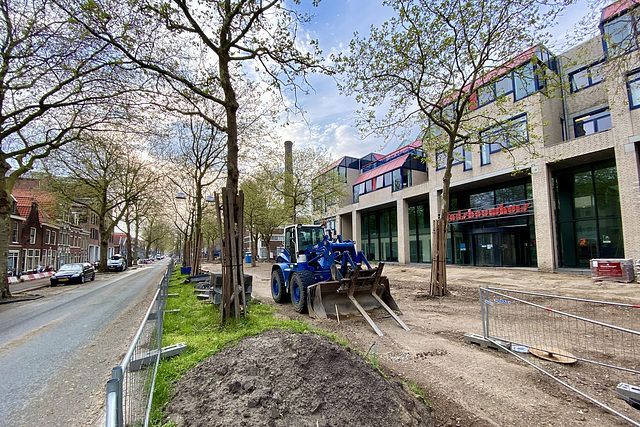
(361, 293)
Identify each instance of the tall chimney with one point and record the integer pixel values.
(288, 180)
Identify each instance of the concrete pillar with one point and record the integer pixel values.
(627, 164)
(542, 188)
(404, 253)
(356, 229)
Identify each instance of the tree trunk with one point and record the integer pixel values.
(104, 244)
(438, 285)
(233, 272)
(5, 220)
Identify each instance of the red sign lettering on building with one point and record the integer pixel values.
(500, 210)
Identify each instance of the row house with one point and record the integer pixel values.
(45, 234)
(577, 201)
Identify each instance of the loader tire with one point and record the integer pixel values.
(300, 281)
(278, 289)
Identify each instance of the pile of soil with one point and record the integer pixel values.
(280, 378)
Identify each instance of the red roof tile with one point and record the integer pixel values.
(617, 7)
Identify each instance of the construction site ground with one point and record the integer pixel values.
(466, 384)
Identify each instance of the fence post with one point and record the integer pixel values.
(112, 402)
(116, 373)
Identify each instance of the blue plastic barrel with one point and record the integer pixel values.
(247, 257)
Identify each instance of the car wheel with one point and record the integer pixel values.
(93, 276)
(53, 285)
(82, 278)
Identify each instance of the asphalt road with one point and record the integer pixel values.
(56, 353)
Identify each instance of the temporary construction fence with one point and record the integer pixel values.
(130, 389)
(568, 330)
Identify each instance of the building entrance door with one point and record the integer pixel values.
(484, 245)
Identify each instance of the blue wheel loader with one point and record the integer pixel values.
(329, 278)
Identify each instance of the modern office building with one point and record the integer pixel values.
(578, 200)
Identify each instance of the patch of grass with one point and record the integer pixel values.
(418, 391)
(198, 326)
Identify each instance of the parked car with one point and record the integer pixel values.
(117, 263)
(73, 273)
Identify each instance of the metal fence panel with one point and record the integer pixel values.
(133, 380)
(601, 333)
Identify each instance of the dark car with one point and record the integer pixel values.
(73, 273)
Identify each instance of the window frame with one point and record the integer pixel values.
(589, 75)
(537, 81)
(633, 25)
(15, 230)
(633, 77)
(465, 159)
(593, 119)
(33, 235)
(493, 88)
(486, 149)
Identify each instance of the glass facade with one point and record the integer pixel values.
(379, 240)
(588, 215)
(501, 231)
(419, 232)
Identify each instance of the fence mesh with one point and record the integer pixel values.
(597, 342)
(139, 367)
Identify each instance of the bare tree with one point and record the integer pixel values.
(194, 152)
(103, 174)
(309, 180)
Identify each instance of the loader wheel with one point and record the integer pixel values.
(278, 290)
(300, 281)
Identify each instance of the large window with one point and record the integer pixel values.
(588, 124)
(633, 85)
(12, 267)
(586, 77)
(32, 236)
(621, 33)
(379, 240)
(32, 259)
(527, 81)
(490, 92)
(509, 134)
(419, 232)
(14, 233)
(460, 155)
(589, 222)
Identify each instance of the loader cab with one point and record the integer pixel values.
(299, 237)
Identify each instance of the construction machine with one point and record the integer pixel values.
(328, 278)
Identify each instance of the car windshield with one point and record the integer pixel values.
(116, 258)
(71, 267)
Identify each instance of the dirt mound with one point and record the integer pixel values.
(279, 378)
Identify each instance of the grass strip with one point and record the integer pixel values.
(198, 326)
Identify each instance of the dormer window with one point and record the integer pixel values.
(620, 34)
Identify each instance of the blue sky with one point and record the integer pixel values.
(330, 116)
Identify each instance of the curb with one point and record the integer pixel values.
(21, 298)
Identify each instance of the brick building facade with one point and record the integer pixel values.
(576, 201)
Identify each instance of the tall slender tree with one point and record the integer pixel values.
(426, 64)
(174, 38)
